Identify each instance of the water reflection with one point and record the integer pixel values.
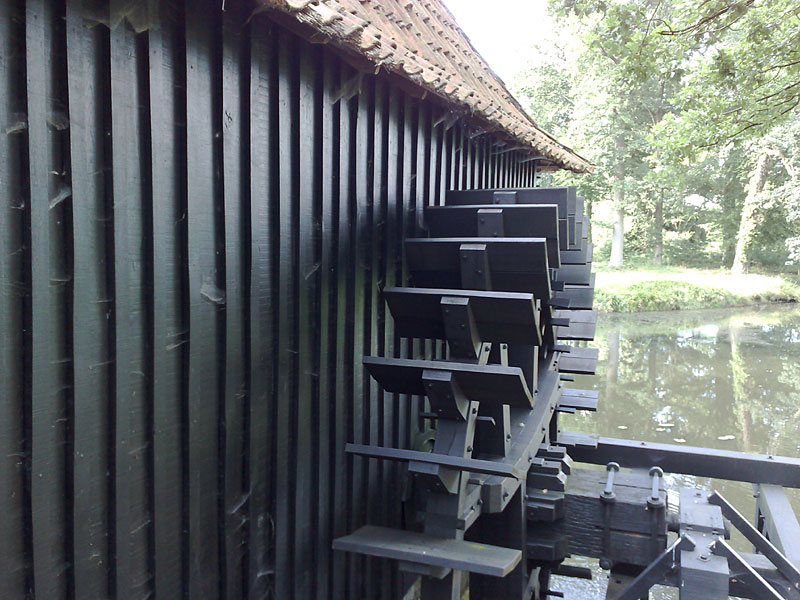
(721, 379)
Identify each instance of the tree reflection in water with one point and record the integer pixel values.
(719, 378)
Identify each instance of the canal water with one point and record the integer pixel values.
(717, 378)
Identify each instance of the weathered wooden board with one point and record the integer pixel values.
(428, 550)
(506, 317)
(484, 383)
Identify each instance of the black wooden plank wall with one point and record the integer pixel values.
(196, 222)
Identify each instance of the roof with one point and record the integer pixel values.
(420, 41)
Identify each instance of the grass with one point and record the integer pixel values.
(656, 288)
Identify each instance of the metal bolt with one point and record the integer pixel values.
(612, 468)
(656, 473)
(469, 448)
(474, 411)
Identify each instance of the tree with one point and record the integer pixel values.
(611, 86)
(743, 82)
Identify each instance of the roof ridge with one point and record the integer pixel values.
(421, 41)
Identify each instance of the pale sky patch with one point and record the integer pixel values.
(502, 31)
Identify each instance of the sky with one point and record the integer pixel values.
(502, 30)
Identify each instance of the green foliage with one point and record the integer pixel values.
(673, 100)
(662, 295)
(652, 288)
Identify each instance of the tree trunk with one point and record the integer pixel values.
(658, 230)
(741, 390)
(612, 368)
(751, 217)
(618, 237)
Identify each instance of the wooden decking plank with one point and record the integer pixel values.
(482, 383)
(580, 361)
(429, 550)
(689, 460)
(780, 522)
(506, 317)
(579, 399)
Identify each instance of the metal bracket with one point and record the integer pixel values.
(656, 570)
(760, 543)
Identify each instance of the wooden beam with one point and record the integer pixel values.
(692, 460)
(780, 522)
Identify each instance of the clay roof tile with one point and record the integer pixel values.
(420, 40)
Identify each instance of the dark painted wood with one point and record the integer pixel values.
(205, 256)
(328, 298)
(309, 149)
(484, 383)
(263, 285)
(498, 467)
(499, 316)
(88, 80)
(165, 322)
(524, 221)
(170, 336)
(133, 400)
(344, 228)
(690, 460)
(425, 549)
(288, 314)
(780, 521)
(235, 161)
(49, 361)
(15, 574)
(578, 360)
(579, 399)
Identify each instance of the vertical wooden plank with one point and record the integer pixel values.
(170, 299)
(328, 503)
(206, 300)
(447, 163)
(428, 155)
(361, 224)
(436, 195)
(15, 574)
(87, 68)
(289, 176)
(406, 214)
(468, 158)
(47, 370)
(345, 335)
(235, 160)
(263, 296)
(308, 165)
(132, 513)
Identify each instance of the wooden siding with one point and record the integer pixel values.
(196, 223)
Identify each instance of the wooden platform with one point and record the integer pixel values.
(580, 361)
(518, 221)
(506, 317)
(579, 399)
(515, 264)
(582, 324)
(493, 384)
(428, 550)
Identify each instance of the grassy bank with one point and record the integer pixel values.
(675, 288)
